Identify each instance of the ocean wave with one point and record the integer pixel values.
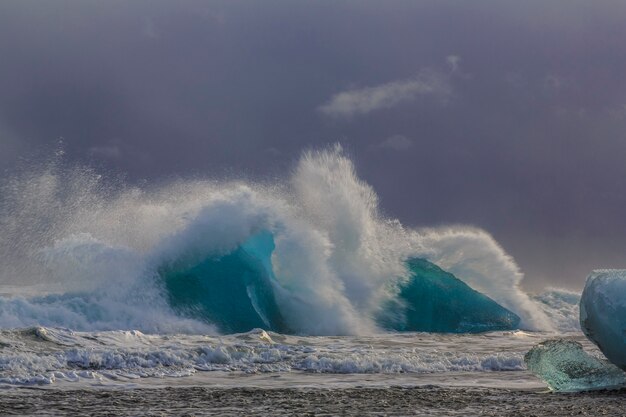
(108, 257)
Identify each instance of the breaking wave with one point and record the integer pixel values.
(312, 255)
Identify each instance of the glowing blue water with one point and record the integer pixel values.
(433, 300)
(235, 292)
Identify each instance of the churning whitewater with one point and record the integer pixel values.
(204, 257)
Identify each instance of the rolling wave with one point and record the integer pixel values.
(310, 255)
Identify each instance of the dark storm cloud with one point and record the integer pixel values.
(507, 116)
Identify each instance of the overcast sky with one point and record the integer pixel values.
(510, 116)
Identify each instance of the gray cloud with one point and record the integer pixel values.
(618, 112)
(453, 62)
(107, 151)
(555, 82)
(149, 29)
(396, 143)
(365, 100)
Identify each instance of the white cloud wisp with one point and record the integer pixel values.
(366, 100)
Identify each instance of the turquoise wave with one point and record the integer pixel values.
(433, 300)
(236, 293)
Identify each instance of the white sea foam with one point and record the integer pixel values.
(46, 355)
(562, 308)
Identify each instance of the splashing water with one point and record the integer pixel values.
(83, 253)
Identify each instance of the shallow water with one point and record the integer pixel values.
(55, 357)
(51, 371)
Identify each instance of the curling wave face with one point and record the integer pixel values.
(310, 256)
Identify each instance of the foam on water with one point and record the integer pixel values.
(95, 252)
(561, 307)
(47, 355)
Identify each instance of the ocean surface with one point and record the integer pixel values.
(47, 371)
(52, 371)
(299, 288)
(48, 357)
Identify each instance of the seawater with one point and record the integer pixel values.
(103, 281)
(50, 357)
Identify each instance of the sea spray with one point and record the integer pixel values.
(76, 240)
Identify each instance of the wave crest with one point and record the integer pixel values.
(335, 260)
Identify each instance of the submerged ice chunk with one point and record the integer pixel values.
(565, 366)
(603, 313)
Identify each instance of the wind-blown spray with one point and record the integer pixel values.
(83, 254)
